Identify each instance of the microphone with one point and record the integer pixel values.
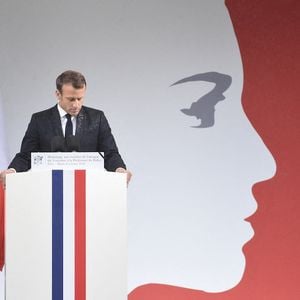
(72, 143)
(58, 144)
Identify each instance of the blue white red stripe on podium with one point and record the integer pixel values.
(68, 235)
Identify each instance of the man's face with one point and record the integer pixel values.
(71, 99)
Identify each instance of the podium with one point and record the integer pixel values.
(66, 235)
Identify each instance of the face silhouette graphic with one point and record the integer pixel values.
(193, 152)
(192, 187)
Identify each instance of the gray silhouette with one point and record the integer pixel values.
(204, 107)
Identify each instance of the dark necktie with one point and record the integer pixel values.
(69, 126)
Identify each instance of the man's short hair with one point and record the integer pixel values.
(70, 77)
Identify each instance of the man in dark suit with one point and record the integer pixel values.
(69, 117)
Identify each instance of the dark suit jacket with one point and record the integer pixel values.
(92, 129)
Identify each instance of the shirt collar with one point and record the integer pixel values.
(62, 112)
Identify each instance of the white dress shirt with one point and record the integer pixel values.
(63, 120)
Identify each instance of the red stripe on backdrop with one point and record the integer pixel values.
(80, 235)
(268, 34)
(1, 227)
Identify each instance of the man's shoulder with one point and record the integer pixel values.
(46, 112)
(91, 110)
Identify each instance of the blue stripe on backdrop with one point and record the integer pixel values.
(57, 235)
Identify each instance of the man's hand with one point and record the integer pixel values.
(3, 176)
(128, 173)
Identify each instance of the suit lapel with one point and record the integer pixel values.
(56, 122)
(80, 123)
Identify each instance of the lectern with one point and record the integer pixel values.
(66, 235)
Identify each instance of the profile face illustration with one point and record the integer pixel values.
(192, 185)
(192, 189)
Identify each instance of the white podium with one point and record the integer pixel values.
(66, 235)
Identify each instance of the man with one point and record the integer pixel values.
(68, 117)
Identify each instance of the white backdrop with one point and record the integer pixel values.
(191, 189)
